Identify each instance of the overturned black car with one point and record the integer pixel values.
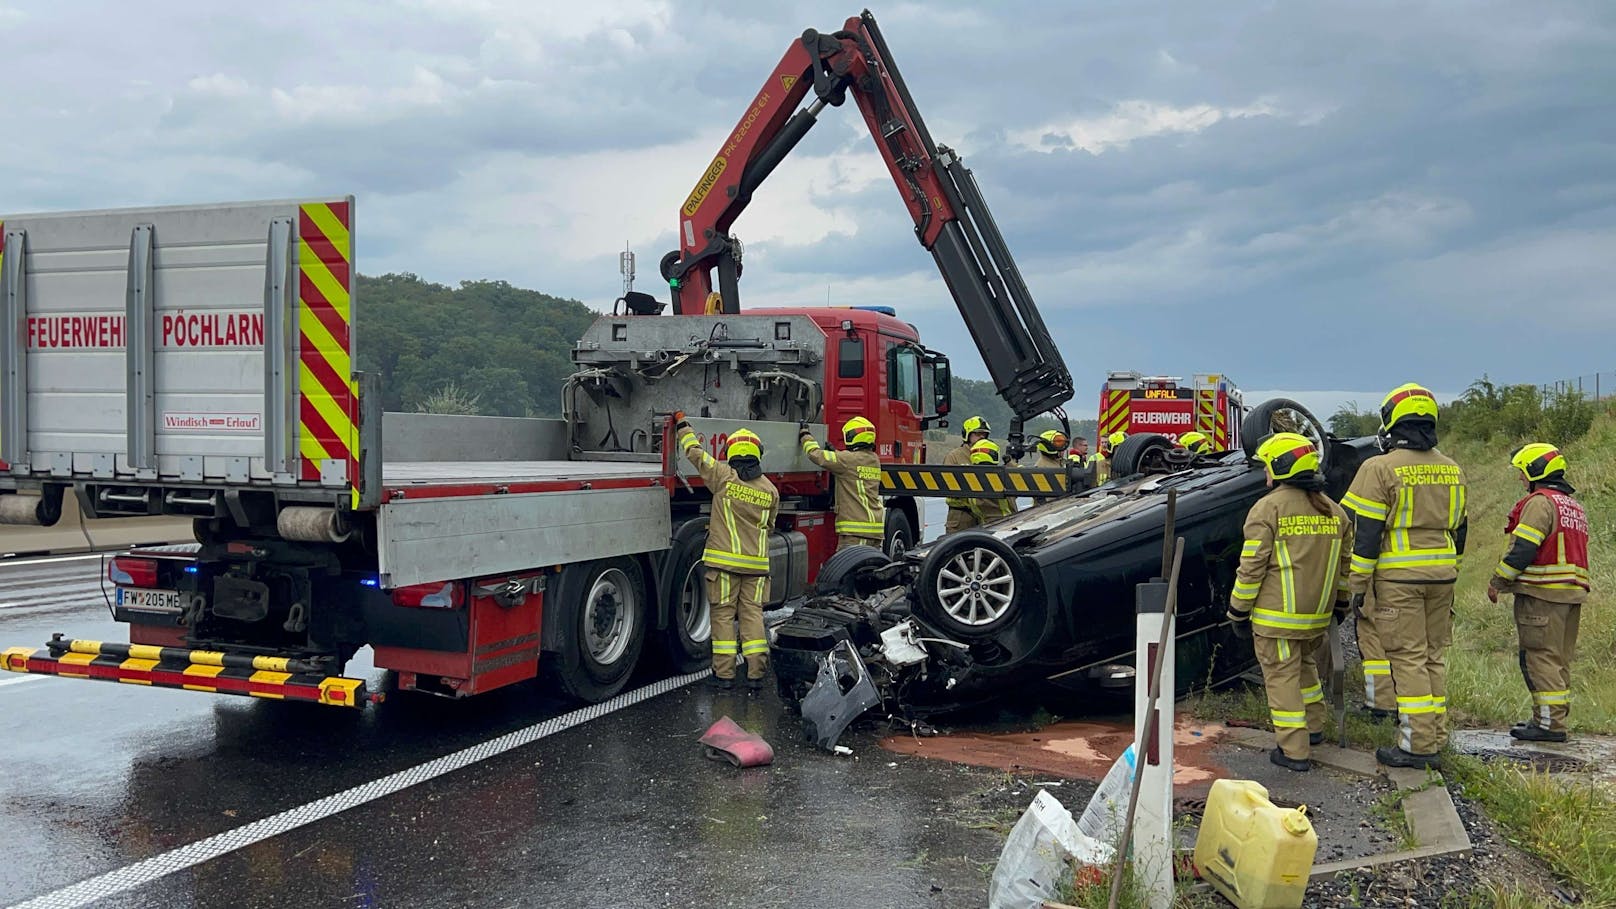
(1043, 599)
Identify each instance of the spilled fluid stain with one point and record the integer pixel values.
(1069, 750)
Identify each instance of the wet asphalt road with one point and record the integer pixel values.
(622, 810)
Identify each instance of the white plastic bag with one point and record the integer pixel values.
(1102, 819)
(1036, 857)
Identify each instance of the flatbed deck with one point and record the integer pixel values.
(423, 473)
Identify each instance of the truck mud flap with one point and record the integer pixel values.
(277, 678)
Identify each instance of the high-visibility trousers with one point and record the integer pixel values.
(732, 597)
(1295, 695)
(1415, 622)
(1548, 643)
(1377, 670)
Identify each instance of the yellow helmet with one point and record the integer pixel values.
(985, 452)
(743, 443)
(858, 431)
(1287, 454)
(974, 424)
(1538, 460)
(1406, 402)
(1196, 442)
(1052, 441)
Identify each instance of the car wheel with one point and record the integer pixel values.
(1139, 453)
(846, 572)
(1283, 415)
(971, 584)
(602, 627)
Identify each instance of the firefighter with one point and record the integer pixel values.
(861, 514)
(1409, 514)
(1546, 568)
(1051, 446)
(1292, 577)
(1196, 442)
(986, 511)
(1079, 453)
(960, 513)
(745, 504)
(1102, 458)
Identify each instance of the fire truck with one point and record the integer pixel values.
(1134, 403)
(199, 362)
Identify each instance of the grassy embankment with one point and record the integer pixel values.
(1568, 822)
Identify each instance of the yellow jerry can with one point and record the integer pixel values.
(1255, 853)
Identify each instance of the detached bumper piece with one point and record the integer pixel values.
(278, 678)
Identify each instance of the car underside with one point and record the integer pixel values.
(1043, 600)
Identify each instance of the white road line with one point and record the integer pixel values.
(158, 866)
(24, 679)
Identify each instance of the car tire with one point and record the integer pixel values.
(1283, 415)
(843, 572)
(687, 640)
(971, 584)
(899, 537)
(600, 608)
(1134, 453)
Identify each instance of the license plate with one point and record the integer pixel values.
(145, 600)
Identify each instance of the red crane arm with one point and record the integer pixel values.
(951, 218)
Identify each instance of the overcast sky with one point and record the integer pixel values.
(1318, 196)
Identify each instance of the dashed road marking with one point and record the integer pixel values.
(158, 866)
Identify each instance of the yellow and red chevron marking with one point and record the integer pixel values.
(1113, 411)
(328, 405)
(1206, 417)
(1220, 425)
(336, 691)
(3, 464)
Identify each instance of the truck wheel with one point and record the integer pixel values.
(602, 630)
(842, 572)
(971, 584)
(900, 533)
(1282, 415)
(687, 641)
(1139, 453)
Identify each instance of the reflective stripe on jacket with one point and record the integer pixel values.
(1293, 565)
(860, 510)
(743, 513)
(1409, 508)
(1548, 558)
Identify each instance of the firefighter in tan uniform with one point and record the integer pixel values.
(1380, 701)
(1292, 578)
(1409, 511)
(1546, 568)
(745, 505)
(1102, 458)
(986, 453)
(861, 513)
(1051, 447)
(960, 513)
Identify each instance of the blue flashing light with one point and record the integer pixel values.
(370, 582)
(883, 310)
(192, 569)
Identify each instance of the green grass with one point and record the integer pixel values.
(1484, 680)
(1570, 823)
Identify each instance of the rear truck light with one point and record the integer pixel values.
(128, 572)
(436, 595)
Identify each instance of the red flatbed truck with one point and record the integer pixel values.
(199, 362)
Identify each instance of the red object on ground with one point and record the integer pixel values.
(726, 741)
